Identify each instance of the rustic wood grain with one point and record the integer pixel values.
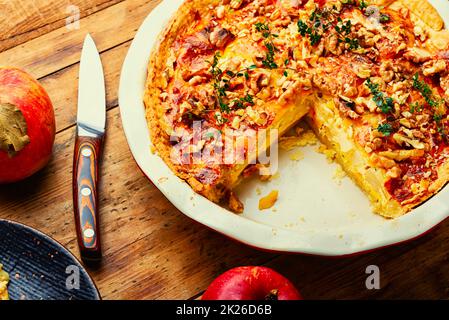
(151, 250)
(110, 27)
(21, 21)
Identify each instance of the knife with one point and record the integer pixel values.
(90, 131)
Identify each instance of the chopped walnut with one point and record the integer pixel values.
(259, 80)
(382, 161)
(433, 67)
(235, 4)
(386, 71)
(417, 55)
(219, 37)
(220, 12)
(333, 45)
(346, 106)
(444, 82)
(350, 90)
(403, 140)
(420, 33)
(196, 80)
(256, 117)
(367, 38)
(405, 122)
(163, 96)
(401, 155)
(373, 145)
(394, 172)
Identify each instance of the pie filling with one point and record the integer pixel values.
(370, 77)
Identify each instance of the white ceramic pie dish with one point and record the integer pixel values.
(315, 214)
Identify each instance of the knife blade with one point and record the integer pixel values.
(91, 124)
(91, 90)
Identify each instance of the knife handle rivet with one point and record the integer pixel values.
(89, 233)
(86, 192)
(86, 152)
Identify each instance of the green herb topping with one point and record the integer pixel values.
(385, 104)
(425, 91)
(320, 21)
(268, 62)
(385, 128)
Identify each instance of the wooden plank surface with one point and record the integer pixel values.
(110, 27)
(21, 21)
(151, 250)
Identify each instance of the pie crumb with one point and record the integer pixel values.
(339, 174)
(268, 201)
(297, 155)
(330, 154)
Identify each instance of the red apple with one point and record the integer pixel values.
(27, 125)
(251, 283)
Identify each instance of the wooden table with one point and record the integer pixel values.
(151, 250)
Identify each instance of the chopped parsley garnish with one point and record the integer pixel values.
(242, 102)
(353, 43)
(268, 61)
(437, 117)
(260, 26)
(425, 91)
(313, 33)
(385, 128)
(303, 28)
(214, 70)
(416, 107)
(385, 104)
(269, 58)
(219, 118)
(319, 23)
(264, 28)
(345, 27)
(384, 18)
(363, 5)
(221, 85)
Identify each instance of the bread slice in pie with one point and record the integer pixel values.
(372, 81)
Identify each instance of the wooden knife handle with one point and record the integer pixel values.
(85, 196)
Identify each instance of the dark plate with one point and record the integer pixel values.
(40, 268)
